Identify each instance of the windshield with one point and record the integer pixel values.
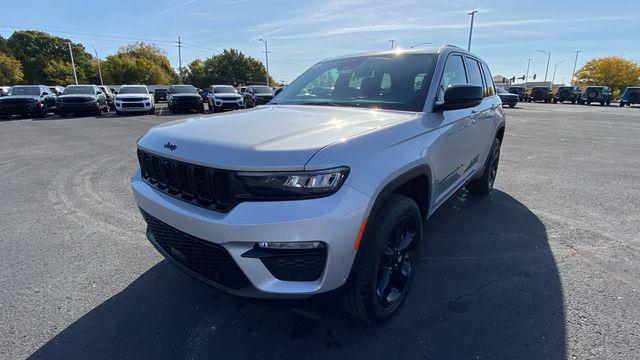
(262, 90)
(565, 88)
(160, 91)
(183, 89)
(76, 90)
(594, 88)
(390, 81)
(134, 90)
(516, 90)
(224, 90)
(24, 90)
(501, 90)
(634, 91)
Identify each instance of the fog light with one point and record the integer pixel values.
(291, 245)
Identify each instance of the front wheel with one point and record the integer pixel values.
(484, 184)
(386, 261)
(621, 103)
(152, 111)
(512, 105)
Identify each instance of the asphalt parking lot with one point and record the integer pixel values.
(544, 268)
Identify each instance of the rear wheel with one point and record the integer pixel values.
(484, 184)
(386, 261)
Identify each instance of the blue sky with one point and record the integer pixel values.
(301, 33)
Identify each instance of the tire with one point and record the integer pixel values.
(209, 105)
(555, 101)
(380, 261)
(118, 113)
(573, 101)
(608, 102)
(5, 117)
(152, 111)
(484, 184)
(621, 103)
(201, 109)
(62, 115)
(512, 105)
(588, 103)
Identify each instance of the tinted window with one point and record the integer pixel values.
(75, 89)
(474, 72)
(224, 90)
(262, 90)
(133, 90)
(183, 89)
(24, 90)
(488, 80)
(453, 74)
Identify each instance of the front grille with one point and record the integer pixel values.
(133, 105)
(296, 265)
(209, 260)
(12, 102)
(133, 99)
(227, 98)
(199, 185)
(187, 99)
(74, 100)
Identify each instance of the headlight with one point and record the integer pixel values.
(305, 184)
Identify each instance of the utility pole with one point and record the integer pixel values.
(473, 14)
(548, 53)
(99, 70)
(266, 58)
(526, 77)
(179, 61)
(553, 79)
(392, 42)
(75, 76)
(573, 74)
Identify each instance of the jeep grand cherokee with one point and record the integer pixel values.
(314, 194)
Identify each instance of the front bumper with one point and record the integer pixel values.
(334, 220)
(75, 107)
(26, 109)
(228, 104)
(133, 106)
(187, 105)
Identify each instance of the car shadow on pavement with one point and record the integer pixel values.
(488, 287)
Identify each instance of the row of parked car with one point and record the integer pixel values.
(40, 100)
(573, 94)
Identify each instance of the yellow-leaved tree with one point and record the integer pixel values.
(612, 71)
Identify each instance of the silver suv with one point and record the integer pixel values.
(325, 189)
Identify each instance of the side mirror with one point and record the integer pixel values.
(99, 92)
(462, 96)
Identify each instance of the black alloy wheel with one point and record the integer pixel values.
(397, 263)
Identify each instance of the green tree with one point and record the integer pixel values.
(36, 49)
(194, 74)
(4, 47)
(612, 71)
(59, 72)
(10, 70)
(139, 63)
(234, 68)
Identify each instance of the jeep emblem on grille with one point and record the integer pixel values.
(171, 146)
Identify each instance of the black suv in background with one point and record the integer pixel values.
(257, 95)
(597, 94)
(521, 91)
(88, 99)
(567, 93)
(159, 94)
(506, 97)
(539, 93)
(183, 98)
(35, 100)
(630, 96)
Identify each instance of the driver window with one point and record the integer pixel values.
(322, 86)
(453, 73)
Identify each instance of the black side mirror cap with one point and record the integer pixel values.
(462, 96)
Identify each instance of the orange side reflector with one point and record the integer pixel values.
(357, 243)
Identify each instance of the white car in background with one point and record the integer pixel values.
(134, 98)
(224, 97)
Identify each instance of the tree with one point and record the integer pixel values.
(10, 70)
(139, 63)
(4, 46)
(234, 68)
(194, 74)
(59, 72)
(36, 49)
(612, 71)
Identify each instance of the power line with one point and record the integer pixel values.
(91, 34)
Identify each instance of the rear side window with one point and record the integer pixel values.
(489, 80)
(454, 73)
(474, 72)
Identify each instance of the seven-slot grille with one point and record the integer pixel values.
(207, 259)
(199, 185)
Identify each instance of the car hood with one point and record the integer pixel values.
(86, 96)
(265, 138)
(228, 95)
(195, 96)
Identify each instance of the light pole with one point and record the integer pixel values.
(392, 42)
(99, 70)
(573, 74)
(179, 61)
(473, 14)
(416, 45)
(548, 53)
(75, 76)
(526, 77)
(553, 79)
(266, 57)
